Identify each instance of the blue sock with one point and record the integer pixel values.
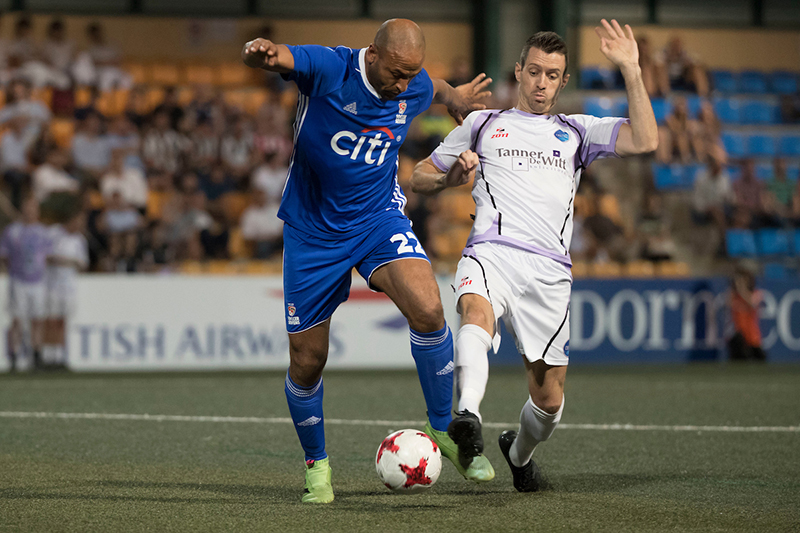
(433, 354)
(305, 405)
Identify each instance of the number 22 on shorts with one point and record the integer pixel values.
(404, 247)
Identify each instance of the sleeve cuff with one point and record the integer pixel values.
(438, 163)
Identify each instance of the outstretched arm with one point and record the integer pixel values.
(619, 46)
(462, 99)
(427, 179)
(264, 54)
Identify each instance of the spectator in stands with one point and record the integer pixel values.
(779, 192)
(194, 219)
(270, 176)
(49, 65)
(171, 107)
(158, 254)
(706, 132)
(22, 48)
(216, 183)
(15, 157)
(120, 223)
(609, 236)
(655, 83)
(99, 64)
(19, 103)
(236, 150)
(162, 199)
(712, 196)
(261, 227)
(163, 147)
(215, 237)
(745, 344)
(505, 94)
(460, 71)
(657, 243)
(52, 175)
(683, 72)
(91, 151)
(674, 141)
(128, 182)
(271, 135)
(124, 135)
(205, 147)
(749, 196)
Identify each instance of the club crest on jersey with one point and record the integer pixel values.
(499, 132)
(401, 117)
(562, 136)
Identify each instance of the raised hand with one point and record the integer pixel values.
(260, 53)
(617, 45)
(471, 96)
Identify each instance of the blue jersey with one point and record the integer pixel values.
(344, 165)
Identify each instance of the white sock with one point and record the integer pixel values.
(472, 366)
(535, 426)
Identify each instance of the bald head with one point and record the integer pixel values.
(400, 36)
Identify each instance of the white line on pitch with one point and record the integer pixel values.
(390, 423)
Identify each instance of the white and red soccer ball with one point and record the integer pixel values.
(408, 461)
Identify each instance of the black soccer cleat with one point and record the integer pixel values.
(526, 478)
(465, 430)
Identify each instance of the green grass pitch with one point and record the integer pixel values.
(173, 475)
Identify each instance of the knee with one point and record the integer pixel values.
(548, 401)
(427, 316)
(306, 364)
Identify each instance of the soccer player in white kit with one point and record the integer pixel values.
(526, 165)
(70, 255)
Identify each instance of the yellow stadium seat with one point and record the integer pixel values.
(199, 74)
(155, 96)
(235, 98)
(191, 267)
(234, 74)
(165, 74)
(83, 97)
(222, 267)
(137, 72)
(580, 269)
(261, 267)
(233, 205)
(44, 95)
(255, 98)
(673, 269)
(639, 269)
(62, 130)
(238, 247)
(606, 270)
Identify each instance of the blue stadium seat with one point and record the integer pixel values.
(735, 143)
(793, 172)
(764, 171)
(773, 242)
(597, 78)
(759, 112)
(689, 174)
(693, 103)
(723, 81)
(727, 110)
(776, 271)
(796, 243)
(668, 177)
(603, 106)
(661, 108)
(783, 82)
(761, 145)
(735, 172)
(752, 81)
(740, 243)
(790, 145)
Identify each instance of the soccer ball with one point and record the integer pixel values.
(408, 461)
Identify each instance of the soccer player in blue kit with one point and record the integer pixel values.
(343, 208)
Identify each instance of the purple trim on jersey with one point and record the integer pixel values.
(610, 148)
(438, 163)
(491, 235)
(579, 156)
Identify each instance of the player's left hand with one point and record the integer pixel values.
(471, 95)
(617, 45)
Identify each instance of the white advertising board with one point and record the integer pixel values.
(133, 323)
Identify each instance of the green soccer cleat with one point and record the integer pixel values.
(318, 482)
(480, 469)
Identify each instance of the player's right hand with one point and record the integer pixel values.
(260, 53)
(463, 170)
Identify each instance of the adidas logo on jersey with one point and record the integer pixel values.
(351, 108)
(447, 369)
(310, 421)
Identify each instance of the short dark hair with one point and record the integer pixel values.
(548, 42)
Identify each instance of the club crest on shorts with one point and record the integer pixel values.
(562, 136)
(291, 309)
(566, 349)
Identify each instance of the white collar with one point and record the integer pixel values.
(363, 70)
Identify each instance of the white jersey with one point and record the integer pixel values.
(70, 246)
(530, 167)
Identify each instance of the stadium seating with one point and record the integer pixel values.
(735, 143)
(661, 108)
(723, 81)
(757, 111)
(740, 243)
(764, 171)
(604, 106)
(796, 243)
(674, 176)
(727, 109)
(672, 269)
(789, 145)
(639, 269)
(761, 145)
(593, 77)
(783, 82)
(776, 271)
(752, 81)
(773, 242)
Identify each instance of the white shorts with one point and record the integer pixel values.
(529, 292)
(60, 302)
(27, 301)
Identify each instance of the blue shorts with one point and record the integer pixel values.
(316, 272)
